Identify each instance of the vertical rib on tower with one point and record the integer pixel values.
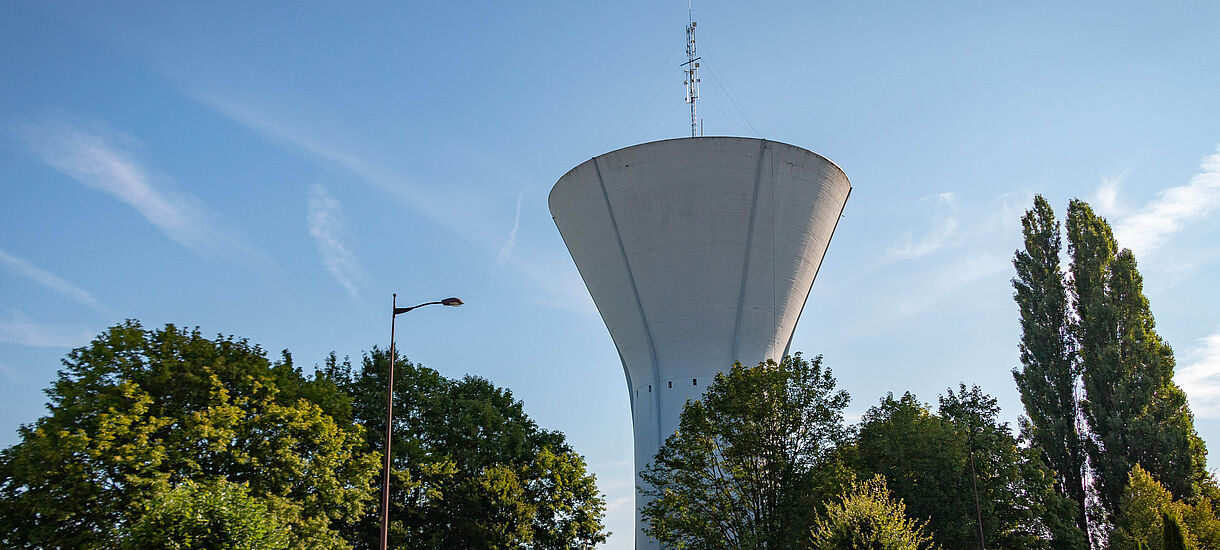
(698, 252)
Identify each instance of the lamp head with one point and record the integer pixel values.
(451, 302)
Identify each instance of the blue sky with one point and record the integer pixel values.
(275, 171)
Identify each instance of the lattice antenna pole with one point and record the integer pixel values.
(692, 71)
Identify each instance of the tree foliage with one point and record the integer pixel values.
(925, 459)
(867, 517)
(1149, 516)
(751, 461)
(469, 467)
(220, 515)
(138, 411)
(1048, 376)
(1135, 413)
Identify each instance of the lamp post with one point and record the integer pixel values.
(975, 482)
(389, 415)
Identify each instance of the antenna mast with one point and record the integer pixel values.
(692, 70)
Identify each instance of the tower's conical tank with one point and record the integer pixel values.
(698, 252)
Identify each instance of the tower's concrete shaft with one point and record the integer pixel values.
(698, 252)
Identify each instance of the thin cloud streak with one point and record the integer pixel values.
(933, 240)
(952, 278)
(564, 293)
(47, 279)
(25, 333)
(1200, 377)
(329, 232)
(99, 159)
(10, 373)
(512, 235)
(1106, 198)
(1149, 227)
(279, 131)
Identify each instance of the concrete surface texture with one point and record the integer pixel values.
(698, 252)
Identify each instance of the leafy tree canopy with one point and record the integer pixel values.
(751, 461)
(867, 517)
(469, 468)
(137, 412)
(1149, 517)
(925, 460)
(214, 516)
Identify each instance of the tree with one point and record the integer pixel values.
(925, 460)
(138, 411)
(1135, 413)
(1174, 537)
(1048, 378)
(213, 516)
(868, 518)
(469, 467)
(745, 466)
(1144, 508)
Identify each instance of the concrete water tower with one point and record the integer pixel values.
(698, 252)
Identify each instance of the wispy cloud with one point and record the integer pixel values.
(283, 130)
(617, 480)
(512, 235)
(945, 198)
(552, 275)
(10, 373)
(945, 281)
(329, 231)
(1106, 199)
(1200, 376)
(20, 331)
(935, 239)
(100, 158)
(1145, 229)
(1006, 212)
(45, 278)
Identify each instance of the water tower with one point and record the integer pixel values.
(698, 252)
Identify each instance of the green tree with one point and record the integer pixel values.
(1136, 414)
(1143, 508)
(1174, 536)
(1203, 524)
(213, 516)
(868, 518)
(469, 467)
(925, 459)
(1049, 374)
(139, 411)
(749, 463)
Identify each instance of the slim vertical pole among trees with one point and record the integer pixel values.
(974, 481)
(389, 419)
(389, 413)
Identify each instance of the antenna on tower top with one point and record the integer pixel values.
(692, 70)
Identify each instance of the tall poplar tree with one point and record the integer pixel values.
(1048, 374)
(1135, 413)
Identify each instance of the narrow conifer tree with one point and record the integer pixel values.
(1134, 411)
(1048, 374)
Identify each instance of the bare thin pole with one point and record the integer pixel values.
(974, 480)
(389, 420)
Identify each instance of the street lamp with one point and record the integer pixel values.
(974, 479)
(389, 415)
